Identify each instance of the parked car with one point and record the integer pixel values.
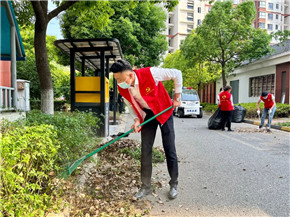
(190, 104)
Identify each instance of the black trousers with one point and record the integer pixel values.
(148, 133)
(226, 117)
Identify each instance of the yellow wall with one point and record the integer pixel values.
(90, 84)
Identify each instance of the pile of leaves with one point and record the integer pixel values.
(110, 185)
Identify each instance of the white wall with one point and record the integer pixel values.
(258, 68)
(244, 80)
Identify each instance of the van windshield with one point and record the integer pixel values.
(189, 95)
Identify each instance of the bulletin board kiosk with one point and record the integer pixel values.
(91, 92)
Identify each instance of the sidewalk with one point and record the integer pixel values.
(274, 125)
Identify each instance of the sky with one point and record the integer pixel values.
(53, 26)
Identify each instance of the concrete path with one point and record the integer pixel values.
(241, 173)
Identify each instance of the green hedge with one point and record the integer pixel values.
(28, 156)
(35, 147)
(77, 132)
(283, 110)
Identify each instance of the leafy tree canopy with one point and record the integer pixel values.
(226, 37)
(136, 24)
(27, 69)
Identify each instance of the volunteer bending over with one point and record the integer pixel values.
(145, 92)
(269, 106)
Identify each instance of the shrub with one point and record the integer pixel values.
(284, 124)
(28, 155)
(77, 132)
(209, 107)
(282, 110)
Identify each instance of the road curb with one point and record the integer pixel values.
(272, 126)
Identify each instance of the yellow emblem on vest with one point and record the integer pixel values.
(148, 89)
(224, 96)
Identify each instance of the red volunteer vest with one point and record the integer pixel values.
(225, 101)
(156, 97)
(268, 102)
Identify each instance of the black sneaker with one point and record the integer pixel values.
(230, 130)
(173, 192)
(142, 193)
(223, 129)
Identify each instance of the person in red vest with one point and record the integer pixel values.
(147, 96)
(269, 106)
(226, 104)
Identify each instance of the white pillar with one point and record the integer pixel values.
(13, 65)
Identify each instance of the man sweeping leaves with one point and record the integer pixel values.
(145, 92)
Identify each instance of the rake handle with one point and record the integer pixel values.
(114, 140)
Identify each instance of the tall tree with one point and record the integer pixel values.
(42, 17)
(194, 73)
(137, 25)
(226, 37)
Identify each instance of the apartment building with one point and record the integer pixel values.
(187, 15)
(272, 15)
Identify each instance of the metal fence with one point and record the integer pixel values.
(6, 98)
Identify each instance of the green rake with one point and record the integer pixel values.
(80, 160)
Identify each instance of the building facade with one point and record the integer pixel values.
(271, 73)
(11, 51)
(272, 15)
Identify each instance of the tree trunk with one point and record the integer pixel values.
(46, 86)
(224, 76)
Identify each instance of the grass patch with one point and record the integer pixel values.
(157, 154)
(284, 124)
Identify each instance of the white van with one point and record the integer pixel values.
(190, 103)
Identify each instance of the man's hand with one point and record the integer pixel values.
(135, 125)
(258, 112)
(270, 111)
(177, 100)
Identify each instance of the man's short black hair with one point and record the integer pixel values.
(120, 66)
(264, 94)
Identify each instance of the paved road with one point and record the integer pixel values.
(241, 173)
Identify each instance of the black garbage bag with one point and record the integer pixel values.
(238, 114)
(214, 122)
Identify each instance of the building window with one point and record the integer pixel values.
(262, 4)
(199, 9)
(170, 43)
(277, 6)
(198, 22)
(189, 16)
(281, 8)
(277, 27)
(270, 16)
(262, 25)
(262, 15)
(270, 27)
(189, 28)
(270, 6)
(189, 5)
(260, 84)
(277, 16)
(209, 9)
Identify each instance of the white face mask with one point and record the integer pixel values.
(124, 84)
